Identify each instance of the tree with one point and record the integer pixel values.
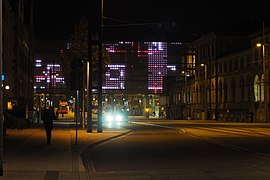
(79, 50)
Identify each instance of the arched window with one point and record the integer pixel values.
(233, 89)
(194, 94)
(220, 91)
(225, 90)
(249, 88)
(262, 88)
(242, 88)
(213, 93)
(257, 89)
(197, 94)
(201, 95)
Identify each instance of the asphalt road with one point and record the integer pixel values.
(184, 150)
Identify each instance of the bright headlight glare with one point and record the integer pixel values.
(119, 123)
(118, 118)
(109, 118)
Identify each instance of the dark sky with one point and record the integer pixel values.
(159, 20)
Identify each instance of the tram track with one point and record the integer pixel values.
(227, 145)
(227, 131)
(218, 136)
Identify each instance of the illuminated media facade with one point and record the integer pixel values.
(136, 67)
(46, 75)
(139, 67)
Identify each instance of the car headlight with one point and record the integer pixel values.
(118, 117)
(109, 118)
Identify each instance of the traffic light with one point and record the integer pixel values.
(76, 74)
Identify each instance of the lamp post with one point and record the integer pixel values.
(5, 96)
(205, 87)
(1, 91)
(187, 92)
(265, 81)
(95, 34)
(100, 32)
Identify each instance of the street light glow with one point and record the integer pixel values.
(7, 87)
(265, 73)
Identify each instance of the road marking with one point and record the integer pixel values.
(220, 143)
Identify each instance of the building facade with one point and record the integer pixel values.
(18, 56)
(231, 80)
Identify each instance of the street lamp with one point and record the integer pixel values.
(205, 88)
(95, 35)
(5, 96)
(265, 81)
(1, 91)
(187, 93)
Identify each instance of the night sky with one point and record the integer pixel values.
(159, 20)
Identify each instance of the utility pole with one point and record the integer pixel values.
(50, 86)
(265, 72)
(1, 91)
(209, 71)
(205, 91)
(100, 32)
(217, 91)
(95, 39)
(89, 67)
(265, 69)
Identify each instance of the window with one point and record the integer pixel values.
(242, 87)
(220, 68)
(262, 87)
(248, 61)
(225, 68)
(230, 66)
(220, 91)
(225, 90)
(236, 65)
(242, 63)
(197, 94)
(233, 90)
(257, 89)
(249, 88)
(256, 57)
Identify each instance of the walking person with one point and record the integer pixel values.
(57, 113)
(48, 118)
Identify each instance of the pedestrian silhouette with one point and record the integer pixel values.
(48, 118)
(57, 113)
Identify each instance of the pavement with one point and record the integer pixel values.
(27, 156)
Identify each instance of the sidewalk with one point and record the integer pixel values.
(27, 156)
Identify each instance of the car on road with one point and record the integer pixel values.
(116, 118)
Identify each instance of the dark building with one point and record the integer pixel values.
(18, 56)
